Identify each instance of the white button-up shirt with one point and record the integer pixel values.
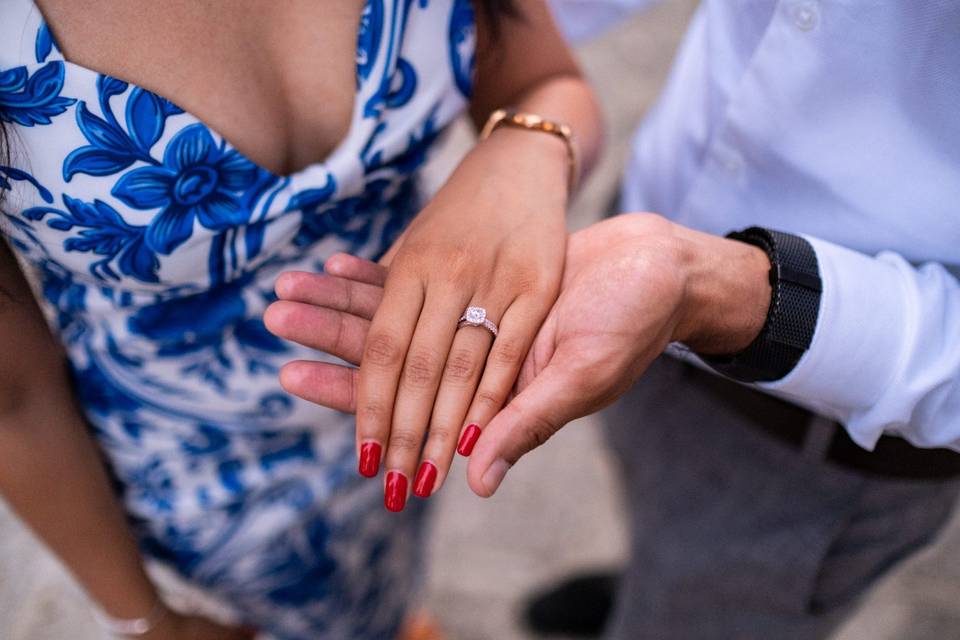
(838, 120)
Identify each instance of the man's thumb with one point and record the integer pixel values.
(528, 421)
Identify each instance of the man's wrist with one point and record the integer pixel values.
(726, 296)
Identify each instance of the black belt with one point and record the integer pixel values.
(893, 457)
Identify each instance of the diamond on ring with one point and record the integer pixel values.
(477, 317)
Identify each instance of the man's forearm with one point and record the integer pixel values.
(885, 351)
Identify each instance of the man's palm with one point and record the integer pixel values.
(613, 317)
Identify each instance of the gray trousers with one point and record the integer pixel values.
(736, 535)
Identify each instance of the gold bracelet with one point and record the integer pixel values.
(533, 122)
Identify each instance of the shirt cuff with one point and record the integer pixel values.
(858, 343)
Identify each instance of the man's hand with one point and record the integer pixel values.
(632, 285)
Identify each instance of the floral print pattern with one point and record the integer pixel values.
(197, 180)
(157, 245)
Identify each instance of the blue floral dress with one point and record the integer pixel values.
(157, 246)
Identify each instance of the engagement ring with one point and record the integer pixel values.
(477, 317)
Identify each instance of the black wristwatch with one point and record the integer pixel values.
(792, 316)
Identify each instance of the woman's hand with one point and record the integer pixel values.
(632, 284)
(488, 240)
(494, 237)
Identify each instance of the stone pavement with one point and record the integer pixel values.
(558, 510)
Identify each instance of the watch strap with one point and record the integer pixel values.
(792, 316)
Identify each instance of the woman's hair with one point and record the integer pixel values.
(495, 10)
(4, 151)
(4, 144)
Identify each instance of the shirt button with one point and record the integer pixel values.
(805, 15)
(730, 161)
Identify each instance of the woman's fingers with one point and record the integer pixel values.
(417, 368)
(393, 250)
(458, 384)
(340, 293)
(383, 359)
(417, 387)
(517, 331)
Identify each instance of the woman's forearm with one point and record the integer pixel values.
(50, 470)
(530, 68)
(51, 475)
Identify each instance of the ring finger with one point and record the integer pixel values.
(417, 389)
(461, 375)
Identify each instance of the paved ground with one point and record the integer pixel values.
(559, 510)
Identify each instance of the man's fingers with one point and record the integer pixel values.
(344, 265)
(353, 296)
(527, 422)
(329, 385)
(335, 332)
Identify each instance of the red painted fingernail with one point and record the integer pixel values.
(395, 496)
(468, 440)
(426, 478)
(370, 458)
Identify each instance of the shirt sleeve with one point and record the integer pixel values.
(885, 355)
(581, 20)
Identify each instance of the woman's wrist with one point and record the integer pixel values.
(533, 158)
(726, 294)
(534, 123)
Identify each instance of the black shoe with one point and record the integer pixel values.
(578, 606)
